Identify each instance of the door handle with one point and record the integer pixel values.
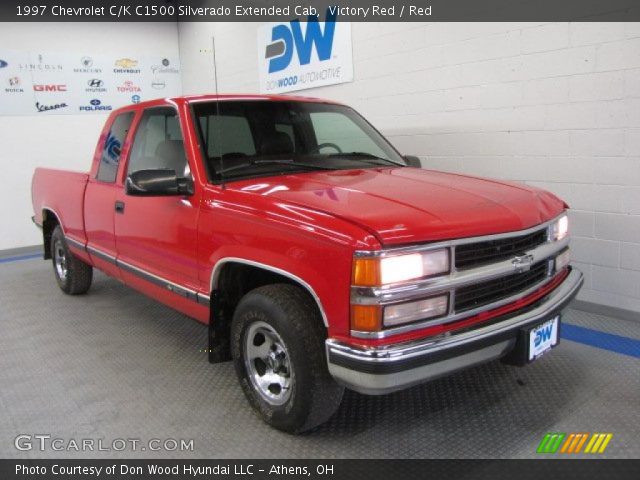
(119, 206)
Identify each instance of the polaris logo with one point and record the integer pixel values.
(96, 105)
(289, 38)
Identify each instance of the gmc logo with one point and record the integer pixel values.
(50, 88)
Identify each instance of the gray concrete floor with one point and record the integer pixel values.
(114, 364)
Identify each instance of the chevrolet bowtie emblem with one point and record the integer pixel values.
(522, 263)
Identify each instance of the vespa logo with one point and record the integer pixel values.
(522, 263)
(287, 38)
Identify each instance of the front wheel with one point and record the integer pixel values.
(72, 274)
(277, 345)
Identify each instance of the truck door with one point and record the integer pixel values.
(156, 236)
(101, 192)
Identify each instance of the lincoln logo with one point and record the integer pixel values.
(522, 263)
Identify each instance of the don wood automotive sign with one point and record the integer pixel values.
(304, 54)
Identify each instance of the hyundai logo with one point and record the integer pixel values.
(95, 83)
(95, 101)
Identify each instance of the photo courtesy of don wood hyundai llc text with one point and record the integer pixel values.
(319, 239)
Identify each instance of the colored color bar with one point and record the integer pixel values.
(567, 443)
(582, 440)
(606, 441)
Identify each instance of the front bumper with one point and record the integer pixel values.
(380, 370)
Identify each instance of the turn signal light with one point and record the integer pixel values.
(366, 272)
(366, 318)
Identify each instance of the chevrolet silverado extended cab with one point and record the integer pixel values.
(319, 257)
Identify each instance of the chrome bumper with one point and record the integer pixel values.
(376, 371)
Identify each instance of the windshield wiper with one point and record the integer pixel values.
(365, 156)
(284, 162)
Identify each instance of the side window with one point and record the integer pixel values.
(110, 158)
(158, 143)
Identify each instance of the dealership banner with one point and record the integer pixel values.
(54, 83)
(303, 54)
(388, 469)
(347, 10)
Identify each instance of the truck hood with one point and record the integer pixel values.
(411, 205)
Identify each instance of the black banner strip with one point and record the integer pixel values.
(325, 469)
(346, 10)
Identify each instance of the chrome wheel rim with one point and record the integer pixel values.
(60, 260)
(267, 362)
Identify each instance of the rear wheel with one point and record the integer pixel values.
(72, 274)
(277, 345)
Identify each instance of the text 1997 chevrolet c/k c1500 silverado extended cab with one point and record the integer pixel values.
(319, 257)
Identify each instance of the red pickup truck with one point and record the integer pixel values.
(319, 257)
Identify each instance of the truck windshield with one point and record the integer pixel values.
(254, 138)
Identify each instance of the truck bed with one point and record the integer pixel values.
(61, 192)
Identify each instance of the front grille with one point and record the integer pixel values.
(477, 295)
(482, 253)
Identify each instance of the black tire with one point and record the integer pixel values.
(72, 274)
(312, 395)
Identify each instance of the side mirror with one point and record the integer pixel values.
(157, 182)
(412, 161)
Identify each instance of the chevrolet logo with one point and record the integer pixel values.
(522, 263)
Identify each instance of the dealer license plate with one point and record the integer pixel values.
(543, 338)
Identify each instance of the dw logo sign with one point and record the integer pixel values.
(543, 335)
(287, 38)
(299, 55)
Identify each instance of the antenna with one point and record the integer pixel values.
(218, 126)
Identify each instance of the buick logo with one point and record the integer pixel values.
(522, 263)
(95, 83)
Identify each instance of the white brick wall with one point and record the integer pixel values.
(556, 105)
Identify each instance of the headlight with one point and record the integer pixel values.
(377, 271)
(560, 228)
